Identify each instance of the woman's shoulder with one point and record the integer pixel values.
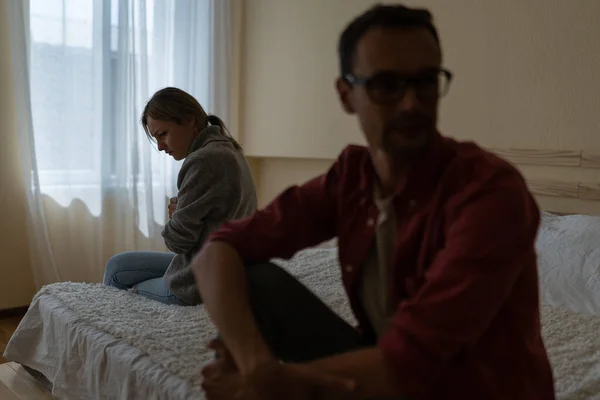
(215, 158)
(220, 152)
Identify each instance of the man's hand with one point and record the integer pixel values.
(270, 381)
(172, 206)
(222, 380)
(275, 381)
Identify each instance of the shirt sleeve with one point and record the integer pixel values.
(300, 217)
(490, 240)
(205, 185)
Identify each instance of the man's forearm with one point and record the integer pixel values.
(221, 280)
(367, 368)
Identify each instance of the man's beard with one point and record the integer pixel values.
(414, 147)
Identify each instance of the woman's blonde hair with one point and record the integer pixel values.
(175, 105)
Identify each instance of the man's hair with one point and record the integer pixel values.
(381, 16)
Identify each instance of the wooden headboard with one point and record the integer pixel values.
(564, 181)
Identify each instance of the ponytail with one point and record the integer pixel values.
(216, 121)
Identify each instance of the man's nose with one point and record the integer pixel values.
(410, 101)
(161, 146)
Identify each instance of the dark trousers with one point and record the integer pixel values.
(295, 323)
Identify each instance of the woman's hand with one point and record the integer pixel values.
(172, 206)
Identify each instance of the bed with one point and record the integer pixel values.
(95, 342)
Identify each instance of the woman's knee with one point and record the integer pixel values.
(114, 264)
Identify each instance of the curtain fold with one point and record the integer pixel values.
(40, 250)
(83, 72)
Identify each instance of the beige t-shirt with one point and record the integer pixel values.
(376, 296)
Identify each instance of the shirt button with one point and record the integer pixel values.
(370, 222)
(349, 268)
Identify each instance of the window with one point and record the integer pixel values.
(94, 64)
(74, 86)
(89, 81)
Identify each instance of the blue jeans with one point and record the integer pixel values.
(144, 272)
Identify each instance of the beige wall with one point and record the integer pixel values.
(16, 284)
(272, 175)
(526, 76)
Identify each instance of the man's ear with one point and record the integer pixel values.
(344, 92)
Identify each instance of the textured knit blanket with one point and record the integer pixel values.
(175, 337)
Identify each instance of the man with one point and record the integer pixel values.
(436, 242)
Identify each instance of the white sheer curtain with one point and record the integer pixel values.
(83, 72)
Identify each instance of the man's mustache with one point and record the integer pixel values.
(407, 121)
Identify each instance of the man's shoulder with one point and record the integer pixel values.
(352, 168)
(475, 173)
(354, 151)
(353, 158)
(486, 188)
(472, 162)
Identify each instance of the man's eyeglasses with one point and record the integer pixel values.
(390, 87)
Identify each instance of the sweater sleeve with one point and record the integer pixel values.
(205, 184)
(300, 217)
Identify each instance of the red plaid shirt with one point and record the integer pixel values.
(464, 274)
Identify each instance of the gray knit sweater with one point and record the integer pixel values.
(214, 186)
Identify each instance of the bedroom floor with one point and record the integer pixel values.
(15, 382)
(8, 325)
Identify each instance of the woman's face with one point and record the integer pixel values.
(172, 138)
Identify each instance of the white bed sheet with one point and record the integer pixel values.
(95, 342)
(84, 362)
(568, 250)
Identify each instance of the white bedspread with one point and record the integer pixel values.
(84, 362)
(95, 342)
(573, 345)
(569, 262)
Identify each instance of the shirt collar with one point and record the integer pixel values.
(206, 135)
(423, 173)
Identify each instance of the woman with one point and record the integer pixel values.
(214, 185)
